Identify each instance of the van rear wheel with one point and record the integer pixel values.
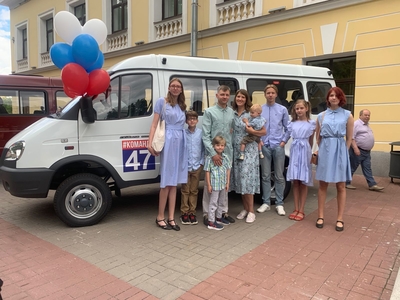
(82, 200)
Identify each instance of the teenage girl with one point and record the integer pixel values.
(302, 130)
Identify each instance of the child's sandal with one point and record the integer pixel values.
(300, 216)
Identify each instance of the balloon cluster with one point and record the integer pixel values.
(80, 58)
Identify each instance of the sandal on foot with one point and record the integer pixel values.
(165, 226)
(175, 226)
(320, 225)
(339, 228)
(293, 214)
(300, 216)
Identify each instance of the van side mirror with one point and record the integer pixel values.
(88, 113)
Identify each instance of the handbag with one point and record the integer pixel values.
(159, 135)
(314, 158)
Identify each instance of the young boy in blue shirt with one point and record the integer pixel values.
(195, 150)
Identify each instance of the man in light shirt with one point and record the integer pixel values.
(273, 149)
(217, 120)
(360, 150)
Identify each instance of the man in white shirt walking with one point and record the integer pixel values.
(360, 150)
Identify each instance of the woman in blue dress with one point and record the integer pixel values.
(173, 160)
(333, 154)
(301, 129)
(245, 174)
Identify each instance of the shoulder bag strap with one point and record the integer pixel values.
(320, 127)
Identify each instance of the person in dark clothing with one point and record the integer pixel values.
(3, 110)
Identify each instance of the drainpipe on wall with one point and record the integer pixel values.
(193, 37)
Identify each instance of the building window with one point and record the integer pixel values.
(24, 35)
(49, 34)
(171, 8)
(80, 13)
(119, 15)
(344, 72)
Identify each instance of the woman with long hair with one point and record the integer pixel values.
(245, 174)
(173, 160)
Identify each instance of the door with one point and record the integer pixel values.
(120, 132)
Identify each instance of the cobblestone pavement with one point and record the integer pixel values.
(127, 257)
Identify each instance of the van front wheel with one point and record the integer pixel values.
(82, 200)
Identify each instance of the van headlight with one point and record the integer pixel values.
(15, 151)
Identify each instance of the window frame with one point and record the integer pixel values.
(347, 84)
(20, 101)
(49, 34)
(112, 112)
(82, 18)
(24, 42)
(321, 104)
(123, 22)
(285, 87)
(206, 83)
(176, 13)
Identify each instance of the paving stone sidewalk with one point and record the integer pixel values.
(274, 258)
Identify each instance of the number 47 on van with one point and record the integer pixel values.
(136, 157)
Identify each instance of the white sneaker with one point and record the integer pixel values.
(263, 208)
(242, 214)
(250, 218)
(280, 210)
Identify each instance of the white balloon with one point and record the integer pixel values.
(67, 26)
(97, 29)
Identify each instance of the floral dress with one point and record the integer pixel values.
(245, 174)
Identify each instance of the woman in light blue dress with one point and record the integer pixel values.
(245, 174)
(173, 160)
(333, 154)
(301, 129)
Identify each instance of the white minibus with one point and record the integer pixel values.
(94, 147)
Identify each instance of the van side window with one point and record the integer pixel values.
(61, 99)
(129, 96)
(18, 102)
(200, 92)
(288, 91)
(317, 95)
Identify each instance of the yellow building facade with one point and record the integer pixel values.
(286, 31)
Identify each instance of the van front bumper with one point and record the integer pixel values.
(26, 183)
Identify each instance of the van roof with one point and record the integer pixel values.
(213, 65)
(29, 81)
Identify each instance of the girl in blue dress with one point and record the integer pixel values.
(173, 160)
(333, 154)
(301, 129)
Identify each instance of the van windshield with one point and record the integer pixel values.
(62, 111)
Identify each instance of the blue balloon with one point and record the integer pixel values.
(61, 54)
(85, 50)
(98, 63)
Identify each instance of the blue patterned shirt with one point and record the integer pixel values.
(257, 123)
(195, 149)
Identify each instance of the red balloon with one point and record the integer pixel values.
(75, 79)
(99, 81)
(70, 93)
